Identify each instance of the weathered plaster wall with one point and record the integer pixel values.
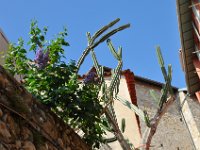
(171, 133)
(195, 105)
(188, 116)
(25, 124)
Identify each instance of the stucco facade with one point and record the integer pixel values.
(172, 133)
(132, 131)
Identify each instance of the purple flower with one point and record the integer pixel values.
(90, 78)
(39, 56)
(46, 56)
(42, 59)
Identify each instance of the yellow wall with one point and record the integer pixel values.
(132, 130)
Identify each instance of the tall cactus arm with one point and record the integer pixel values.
(142, 114)
(94, 58)
(102, 39)
(102, 30)
(117, 132)
(162, 66)
(109, 34)
(112, 49)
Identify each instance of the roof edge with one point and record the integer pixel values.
(107, 73)
(182, 45)
(3, 35)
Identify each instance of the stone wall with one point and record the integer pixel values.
(172, 132)
(25, 124)
(3, 46)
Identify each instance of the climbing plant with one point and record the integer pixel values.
(85, 105)
(55, 83)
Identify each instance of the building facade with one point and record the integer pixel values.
(3, 46)
(172, 132)
(188, 12)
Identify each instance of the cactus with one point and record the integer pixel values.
(123, 125)
(167, 87)
(108, 92)
(93, 44)
(166, 99)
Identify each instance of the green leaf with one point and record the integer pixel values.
(65, 43)
(42, 38)
(45, 29)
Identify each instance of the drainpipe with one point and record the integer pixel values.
(188, 118)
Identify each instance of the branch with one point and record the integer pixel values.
(117, 132)
(156, 119)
